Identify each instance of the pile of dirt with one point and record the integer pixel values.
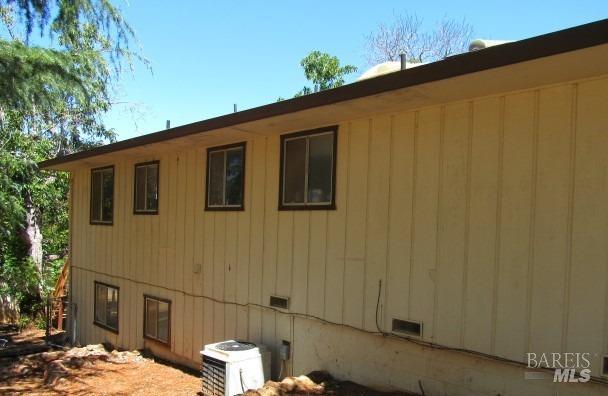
(318, 383)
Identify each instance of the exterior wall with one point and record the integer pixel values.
(485, 220)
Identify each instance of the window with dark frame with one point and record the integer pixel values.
(225, 177)
(157, 319)
(106, 306)
(308, 169)
(102, 195)
(146, 188)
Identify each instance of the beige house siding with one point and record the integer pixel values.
(485, 220)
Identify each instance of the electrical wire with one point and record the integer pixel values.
(378, 331)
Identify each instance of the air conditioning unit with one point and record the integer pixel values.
(232, 367)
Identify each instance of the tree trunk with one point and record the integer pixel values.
(32, 235)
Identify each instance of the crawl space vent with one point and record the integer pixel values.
(605, 366)
(279, 302)
(407, 327)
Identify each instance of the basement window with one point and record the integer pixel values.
(157, 319)
(308, 170)
(102, 195)
(146, 188)
(106, 306)
(225, 177)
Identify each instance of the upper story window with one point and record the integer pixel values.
(102, 195)
(106, 306)
(225, 177)
(308, 169)
(146, 188)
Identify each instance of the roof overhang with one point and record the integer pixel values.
(574, 53)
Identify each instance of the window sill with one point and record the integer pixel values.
(157, 341)
(308, 207)
(103, 223)
(108, 328)
(224, 208)
(141, 212)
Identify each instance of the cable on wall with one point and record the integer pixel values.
(378, 332)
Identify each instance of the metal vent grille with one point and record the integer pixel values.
(214, 376)
(279, 302)
(407, 327)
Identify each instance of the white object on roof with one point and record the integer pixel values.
(481, 44)
(385, 68)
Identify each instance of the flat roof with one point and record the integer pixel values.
(579, 37)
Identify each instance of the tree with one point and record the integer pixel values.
(53, 95)
(324, 71)
(405, 35)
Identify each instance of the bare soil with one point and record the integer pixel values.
(85, 371)
(96, 370)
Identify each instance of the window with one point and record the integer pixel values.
(102, 195)
(225, 177)
(157, 318)
(146, 188)
(308, 169)
(106, 306)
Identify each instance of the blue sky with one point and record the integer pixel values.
(207, 55)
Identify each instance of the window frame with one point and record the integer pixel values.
(103, 325)
(309, 206)
(101, 222)
(140, 211)
(225, 148)
(148, 337)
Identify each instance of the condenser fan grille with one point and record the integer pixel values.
(235, 346)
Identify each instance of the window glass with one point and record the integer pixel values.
(102, 195)
(308, 170)
(320, 168)
(100, 303)
(225, 177)
(146, 188)
(108, 195)
(234, 176)
(152, 187)
(216, 178)
(294, 170)
(163, 321)
(152, 317)
(157, 319)
(112, 308)
(96, 196)
(106, 306)
(140, 185)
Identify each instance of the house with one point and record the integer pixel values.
(430, 226)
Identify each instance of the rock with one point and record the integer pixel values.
(54, 371)
(301, 384)
(270, 391)
(50, 356)
(22, 369)
(75, 362)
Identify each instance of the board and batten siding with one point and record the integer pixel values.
(485, 220)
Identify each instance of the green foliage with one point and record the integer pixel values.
(53, 95)
(324, 71)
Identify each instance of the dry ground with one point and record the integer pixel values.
(84, 371)
(94, 370)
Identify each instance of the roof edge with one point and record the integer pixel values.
(571, 39)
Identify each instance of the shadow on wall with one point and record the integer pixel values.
(9, 312)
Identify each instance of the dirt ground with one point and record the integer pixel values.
(84, 371)
(99, 370)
